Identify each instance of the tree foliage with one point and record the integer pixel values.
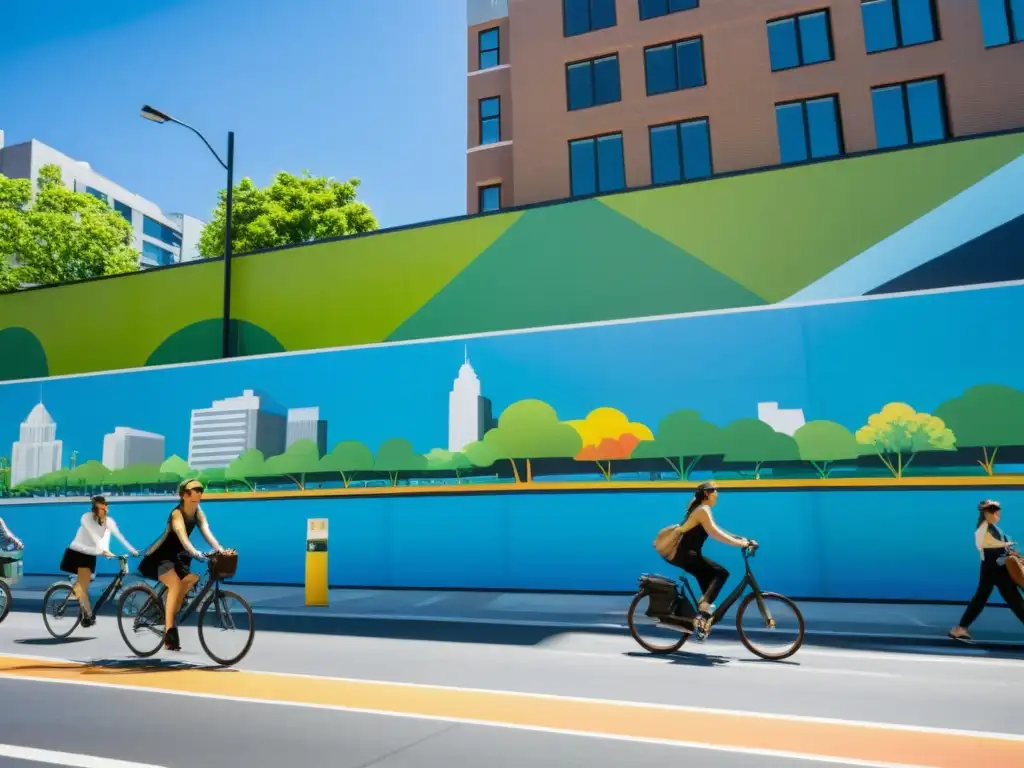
(755, 442)
(683, 439)
(823, 442)
(348, 458)
(290, 211)
(989, 417)
(396, 456)
(61, 236)
(247, 467)
(898, 433)
(299, 459)
(441, 460)
(607, 434)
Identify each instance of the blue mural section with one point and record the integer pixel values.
(905, 545)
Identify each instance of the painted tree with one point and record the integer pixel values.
(440, 460)
(348, 458)
(213, 476)
(755, 442)
(683, 439)
(89, 476)
(527, 430)
(898, 433)
(246, 468)
(824, 442)
(177, 467)
(607, 434)
(137, 475)
(396, 456)
(298, 460)
(986, 417)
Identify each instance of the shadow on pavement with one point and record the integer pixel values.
(52, 640)
(683, 658)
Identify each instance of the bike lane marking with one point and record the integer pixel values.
(845, 742)
(71, 759)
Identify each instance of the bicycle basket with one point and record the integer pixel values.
(224, 565)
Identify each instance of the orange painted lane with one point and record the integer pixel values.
(738, 731)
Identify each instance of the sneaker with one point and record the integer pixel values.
(171, 639)
(88, 620)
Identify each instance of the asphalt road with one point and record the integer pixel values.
(567, 699)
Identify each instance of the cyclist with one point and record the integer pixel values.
(695, 529)
(92, 539)
(7, 537)
(162, 563)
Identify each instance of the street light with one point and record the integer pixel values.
(154, 114)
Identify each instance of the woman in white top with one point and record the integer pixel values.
(993, 546)
(92, 539)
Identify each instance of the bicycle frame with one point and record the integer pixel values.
(209, 582)
(748, 580)
(112, 588)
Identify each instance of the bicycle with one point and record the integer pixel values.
(206, 593)
(676, 610)
(6, 598)
(68, 587)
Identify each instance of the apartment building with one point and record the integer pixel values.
(576, 97)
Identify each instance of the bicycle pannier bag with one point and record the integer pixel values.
(1015, 565)
(667, 541)
(224, 566)
(661, 594)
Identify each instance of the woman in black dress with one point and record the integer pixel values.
(161, 560)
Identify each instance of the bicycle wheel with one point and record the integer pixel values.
(62, 612)
(672, 638)
(5, 599)
(222, 620)
(780, 615)
(140, 618)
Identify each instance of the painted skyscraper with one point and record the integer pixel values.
(221, 433)
(306, 424)
(469, 413)
(126, 446)
(38, 451)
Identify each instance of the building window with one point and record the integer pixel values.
(910, 113)
(809, 130)
(582, 16)
(490, 120)
(675, 66)
(163, 233)
(651, 9)
(680, 151)
(892, 24)
(596, 164)
(1002, 21)
(490, 198)
(592, 83)
(124, 209)
(798, 41)
(156, 255)
(489, 52)
(98, 195)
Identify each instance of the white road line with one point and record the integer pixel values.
(75, 760)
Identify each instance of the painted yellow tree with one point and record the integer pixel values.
(898, 433)
(607, 435)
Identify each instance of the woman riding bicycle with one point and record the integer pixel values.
(163, 559)
(7, 537)
(695, 529)
(92, 539)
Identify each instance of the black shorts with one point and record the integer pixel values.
(73, 560)
(156, 565)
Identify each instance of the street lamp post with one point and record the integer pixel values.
(151, 113)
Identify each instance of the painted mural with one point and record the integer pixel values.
(911, 219)
(872, 392)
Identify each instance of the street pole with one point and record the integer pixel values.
(227, 350)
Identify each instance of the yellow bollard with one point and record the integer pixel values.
(316, 561)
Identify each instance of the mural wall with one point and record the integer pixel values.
(927, 217)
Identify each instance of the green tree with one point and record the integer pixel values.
(348, 458)
(683, 437)
(177, 466)
(89, 476)
(290, 211)
(824, 442)
(989, 417)
(440, 460)
(898, 433)
(396, 456)
(246, 467)
(755, 442)
(61, 236)
(527, 430)
(141, 475)
(213, 476)
(301, 458)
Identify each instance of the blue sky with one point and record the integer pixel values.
(343, 88)
(841, 362)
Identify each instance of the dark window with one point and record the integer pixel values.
(490, 120)
(650, 9)
(156, 254)
(490, 198)
(675, 66)
(892, 24)
(98, 195)
(597, 165)
(1002, 21)
(809, 129)
(594, 82)
(489, 51)
(910, 113)
(798, 41)
(124, 209)
(582, 16)
(680, 151)
(153, 228)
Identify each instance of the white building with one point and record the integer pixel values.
(221, 433)
(469, 413)
(306, 424)
(125, 447)
(38, 451)
(160, 238)
(784, 420)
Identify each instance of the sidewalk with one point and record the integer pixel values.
(597, 613)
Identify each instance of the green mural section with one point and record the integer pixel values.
(745, 240)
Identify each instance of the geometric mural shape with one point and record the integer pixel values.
(575, 263)
(203, 341)
(22, 356)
